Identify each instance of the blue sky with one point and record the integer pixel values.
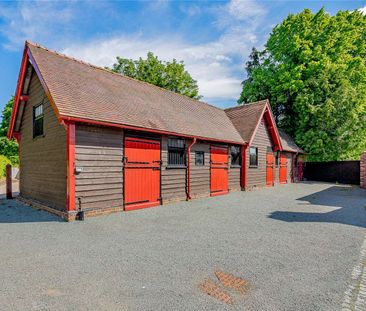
(213, 38)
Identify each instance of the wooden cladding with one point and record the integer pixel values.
(98, 158)
(42, 159)
(256, 175)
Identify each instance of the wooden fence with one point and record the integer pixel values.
(343, 172)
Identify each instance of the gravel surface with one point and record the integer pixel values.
(295, 244)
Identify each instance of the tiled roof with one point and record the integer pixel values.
(288, 144)
(81, 90)
(245, 117)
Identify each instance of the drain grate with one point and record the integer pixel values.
(210, 288)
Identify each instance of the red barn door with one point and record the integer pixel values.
(141, 173)
(270, 169)
(219, 170)
(283, 169)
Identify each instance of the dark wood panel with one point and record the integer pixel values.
(99, 153)
(100, 192)
(43, 159)
(102, 204)
(173, 185)
(99, 181)
(101, 186)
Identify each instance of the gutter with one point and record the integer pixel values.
(188, 192)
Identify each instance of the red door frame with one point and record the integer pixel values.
(154, 165)
(219, 165)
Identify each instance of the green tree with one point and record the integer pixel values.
(313, 70)
(168, 75)
(8, 148)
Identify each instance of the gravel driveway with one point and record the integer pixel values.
(295, 244)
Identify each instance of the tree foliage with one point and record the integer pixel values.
(8, 148)
(313, 70)
(168, 75)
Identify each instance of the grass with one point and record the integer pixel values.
(3, 162)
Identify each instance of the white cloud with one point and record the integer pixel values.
(33, 21)
(191, 10)
(241, 10)
(207, 63)
(363, 10)
(211, 64)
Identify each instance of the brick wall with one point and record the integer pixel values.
(363, 170)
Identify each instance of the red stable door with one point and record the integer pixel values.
(283, 169)
(270, 173)
(141, 173)
(219, 170)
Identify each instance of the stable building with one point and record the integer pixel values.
(93, 142)
(289, 160)
(270, 154)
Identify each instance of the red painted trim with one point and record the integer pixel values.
(267, 114)
(70, 166)
(148, 130)
(273, 129)
(44, 85)
(17, 136)
(27, 55)
(215, 194)
(19, 89)
(189, 169)
(24, 98)
(243, 179)
(134, 207)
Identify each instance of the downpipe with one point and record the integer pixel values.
(188, 192)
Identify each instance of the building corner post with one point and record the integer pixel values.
(243, 177)
(363, 170)
(189, 169)
(70, 142)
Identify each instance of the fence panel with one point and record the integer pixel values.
(344, 172)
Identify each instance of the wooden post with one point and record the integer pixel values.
(363, 170)
(9, 190)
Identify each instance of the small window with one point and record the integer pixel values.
(253, 156)
(38, 120)
(176, 152)
(200, 158)
(235, 156)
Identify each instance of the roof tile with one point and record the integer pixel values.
(85, 91)
(245, 117)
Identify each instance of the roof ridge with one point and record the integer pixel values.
(28, 42)
(247, 104)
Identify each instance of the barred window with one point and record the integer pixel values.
(235, 156)
(38, 120)
(176, 152)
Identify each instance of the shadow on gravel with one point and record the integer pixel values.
(349, 201)
(13, 211)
